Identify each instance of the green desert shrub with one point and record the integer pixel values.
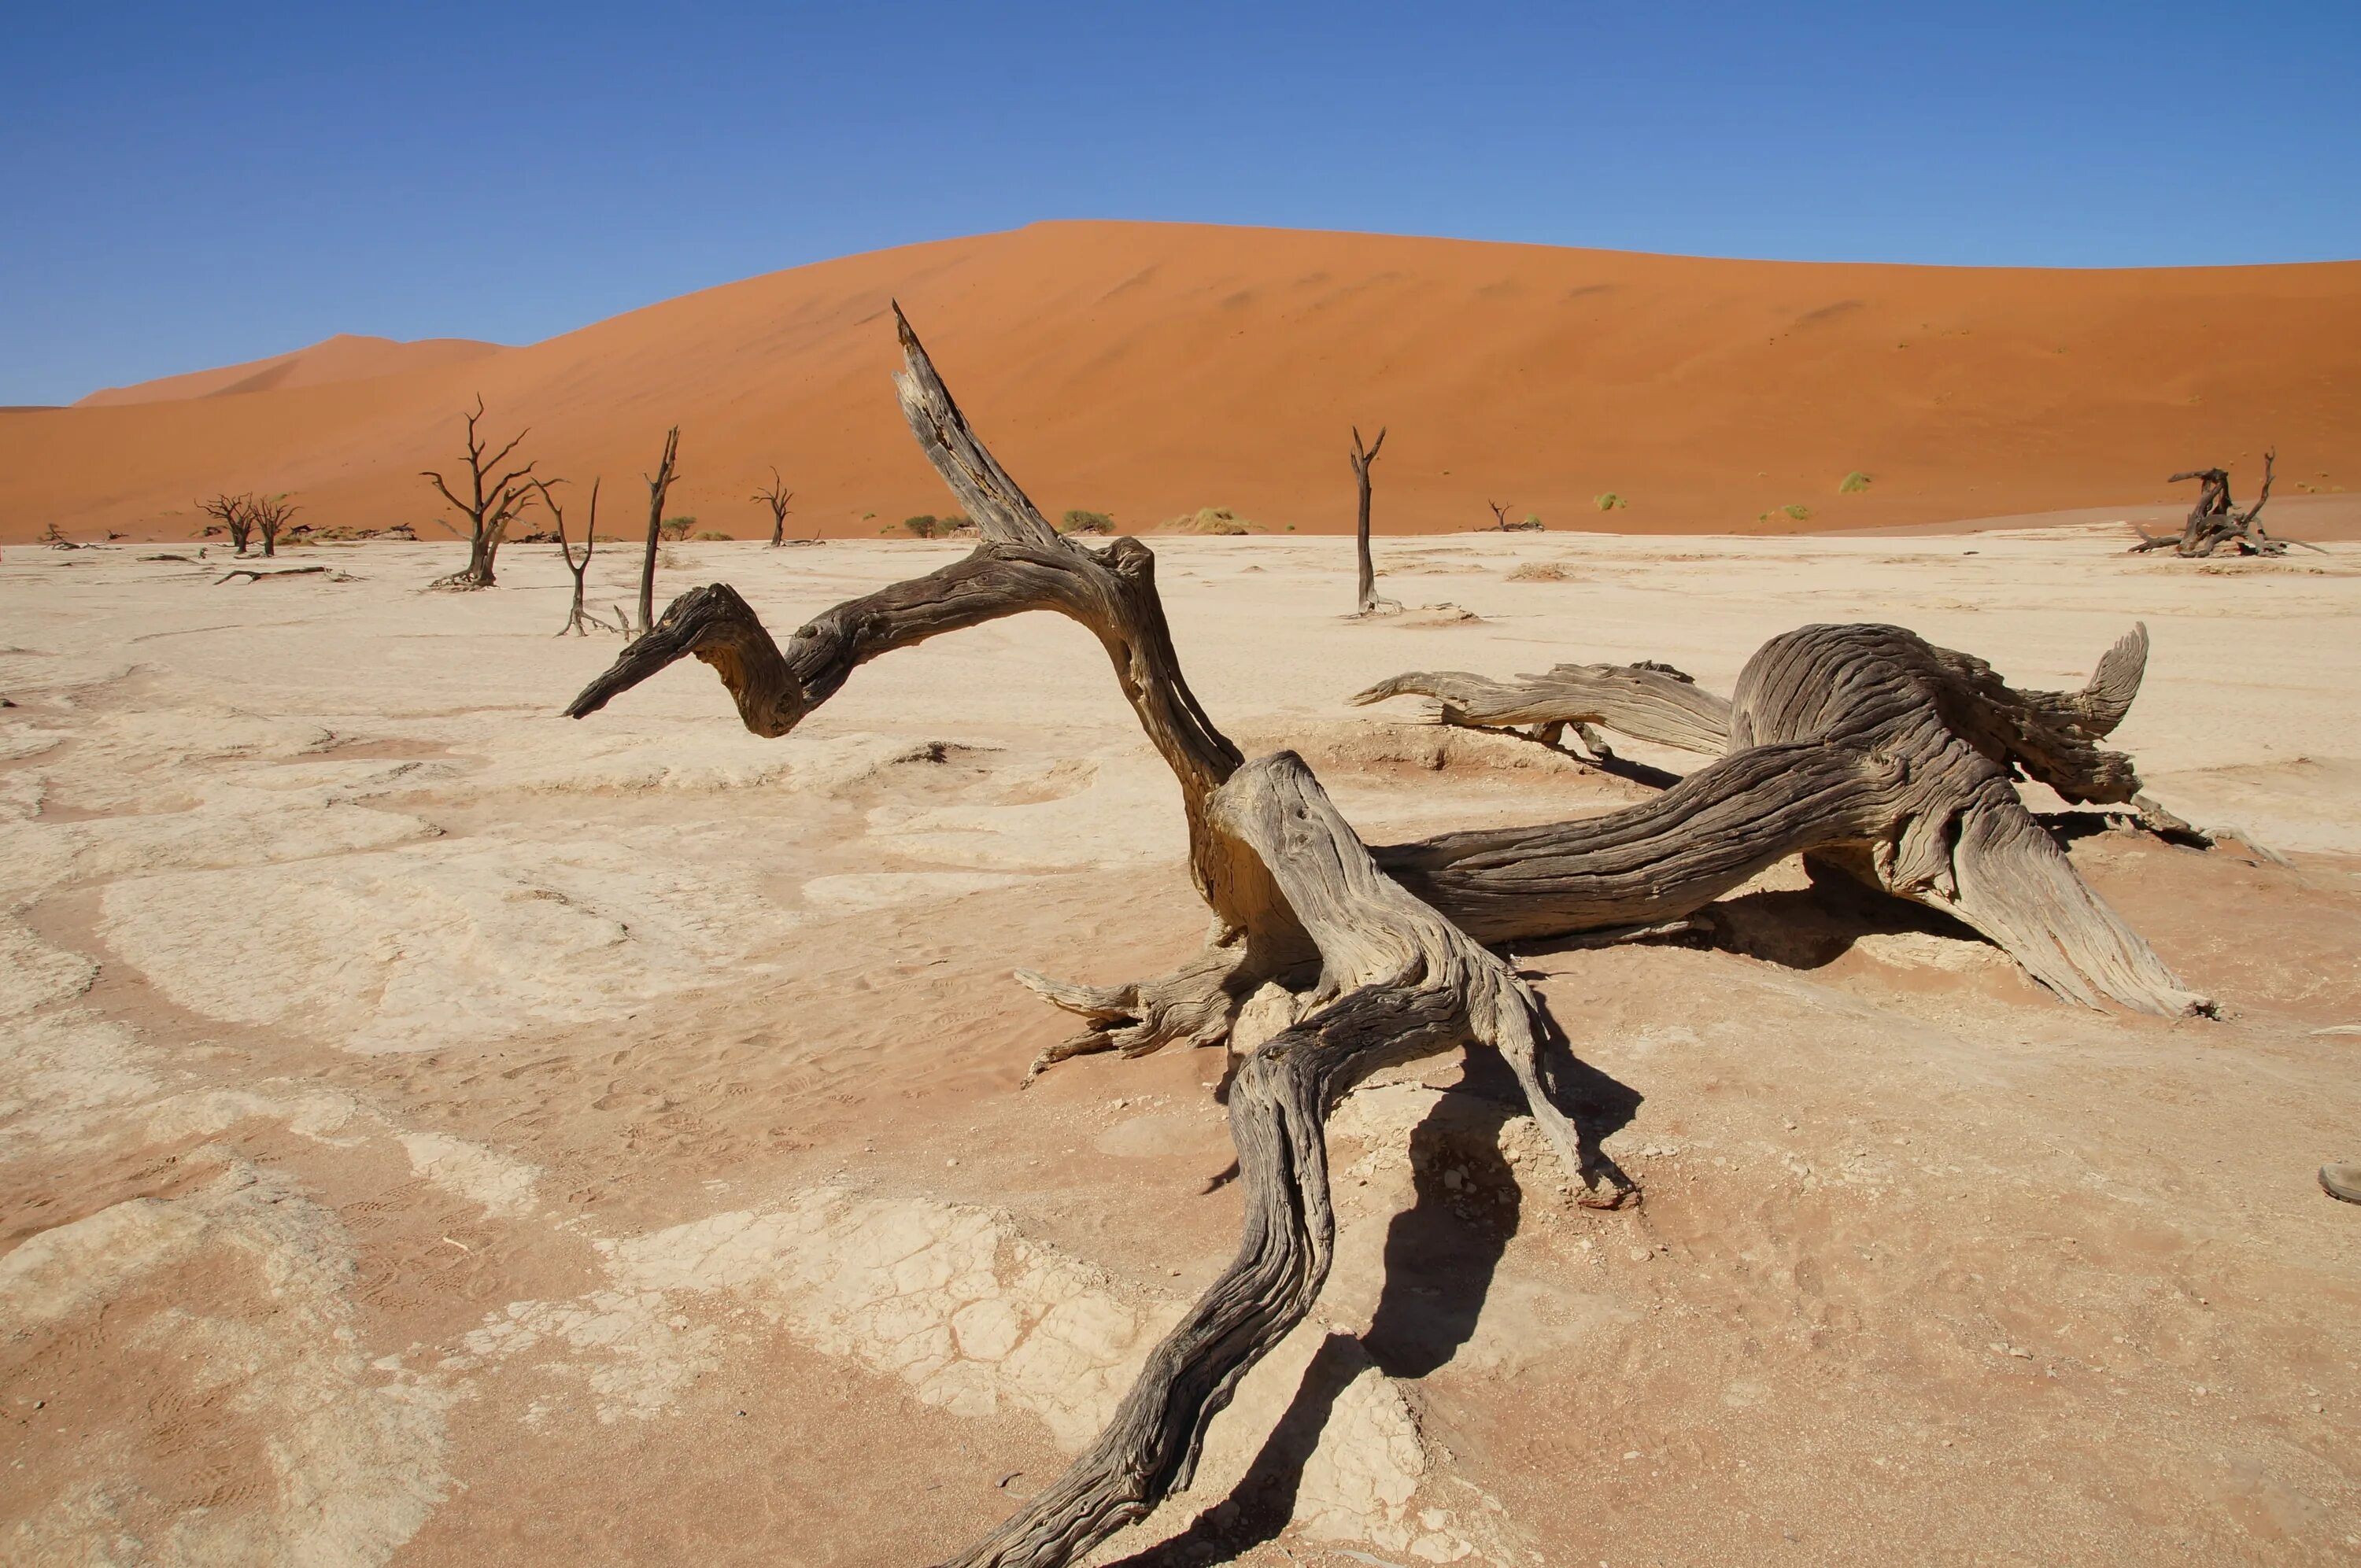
(713, 533)
(676, 527)
(1608, 500)
(922, 526)
(1853, 483)
(1077, 521)
(1797, 512)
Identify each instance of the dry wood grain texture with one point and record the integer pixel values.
(1861, 743)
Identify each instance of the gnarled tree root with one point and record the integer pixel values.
(1648, 702)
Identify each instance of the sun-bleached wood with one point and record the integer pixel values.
(1648, 702)
(1850, 741)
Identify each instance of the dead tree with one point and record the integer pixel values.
(1857, 743)
(1499, 516)
(2215, 523)
(658, 483)
(1367, 597)
(776, 496)
(578, 618)
(236, 514)
(270, 514)
(495, 498)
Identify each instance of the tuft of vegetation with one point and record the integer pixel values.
(676, 527)
(1608, 500)
(922, 526)
(1798, 512)
(1077, 521)
(1532, 519)
(1853, 483)
(714, 534)
(1210, 520)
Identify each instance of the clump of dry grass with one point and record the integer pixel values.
(1539, 571)
(1210, 520)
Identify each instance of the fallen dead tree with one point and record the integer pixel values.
(1646, 701)
(2216, 524)
(1367, 958)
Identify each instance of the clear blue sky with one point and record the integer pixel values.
(192, 185)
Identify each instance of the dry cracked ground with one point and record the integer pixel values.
(436, 1132)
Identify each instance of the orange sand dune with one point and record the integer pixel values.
(344, 357)
(1147, 369)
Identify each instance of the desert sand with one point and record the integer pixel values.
(436, 1132)
(1151, 369)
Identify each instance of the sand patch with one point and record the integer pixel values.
(350, 1455)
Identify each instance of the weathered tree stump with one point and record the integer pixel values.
(1856, 741)
(2216, 524)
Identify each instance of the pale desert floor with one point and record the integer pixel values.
(436, 1132)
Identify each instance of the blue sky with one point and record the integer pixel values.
(188, 186)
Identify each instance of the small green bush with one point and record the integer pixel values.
(676, 527)
(713, 533)
(1853, 483)
(922, 526)
(1798, 510)
(1608, 500)
(1532, 519)
(1077, 521)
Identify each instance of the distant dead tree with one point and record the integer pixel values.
(776, 497)
(658, 483)
(1362, 458)
(494, 499)
(578, 618)
(233, 513)
(2215, 523)
(269, 514)
(1499, 516)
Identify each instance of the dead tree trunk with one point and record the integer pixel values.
(235, 513)
(1856, 741)
(1367, 598)
(776, 496)
(658, 483)
(494, 499)
(270, 515)
(579, 619)
(2217, 524)
(1499, 516)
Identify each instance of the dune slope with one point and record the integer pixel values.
(1147, 369)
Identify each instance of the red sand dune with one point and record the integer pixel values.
(1147, 369)
(344, 357)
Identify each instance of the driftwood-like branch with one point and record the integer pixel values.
(1862, 744)
(1648, 702)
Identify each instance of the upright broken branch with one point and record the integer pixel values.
(579, 619)
(1367, 596)
(658, 483)
(494, 499)
(775, 495)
